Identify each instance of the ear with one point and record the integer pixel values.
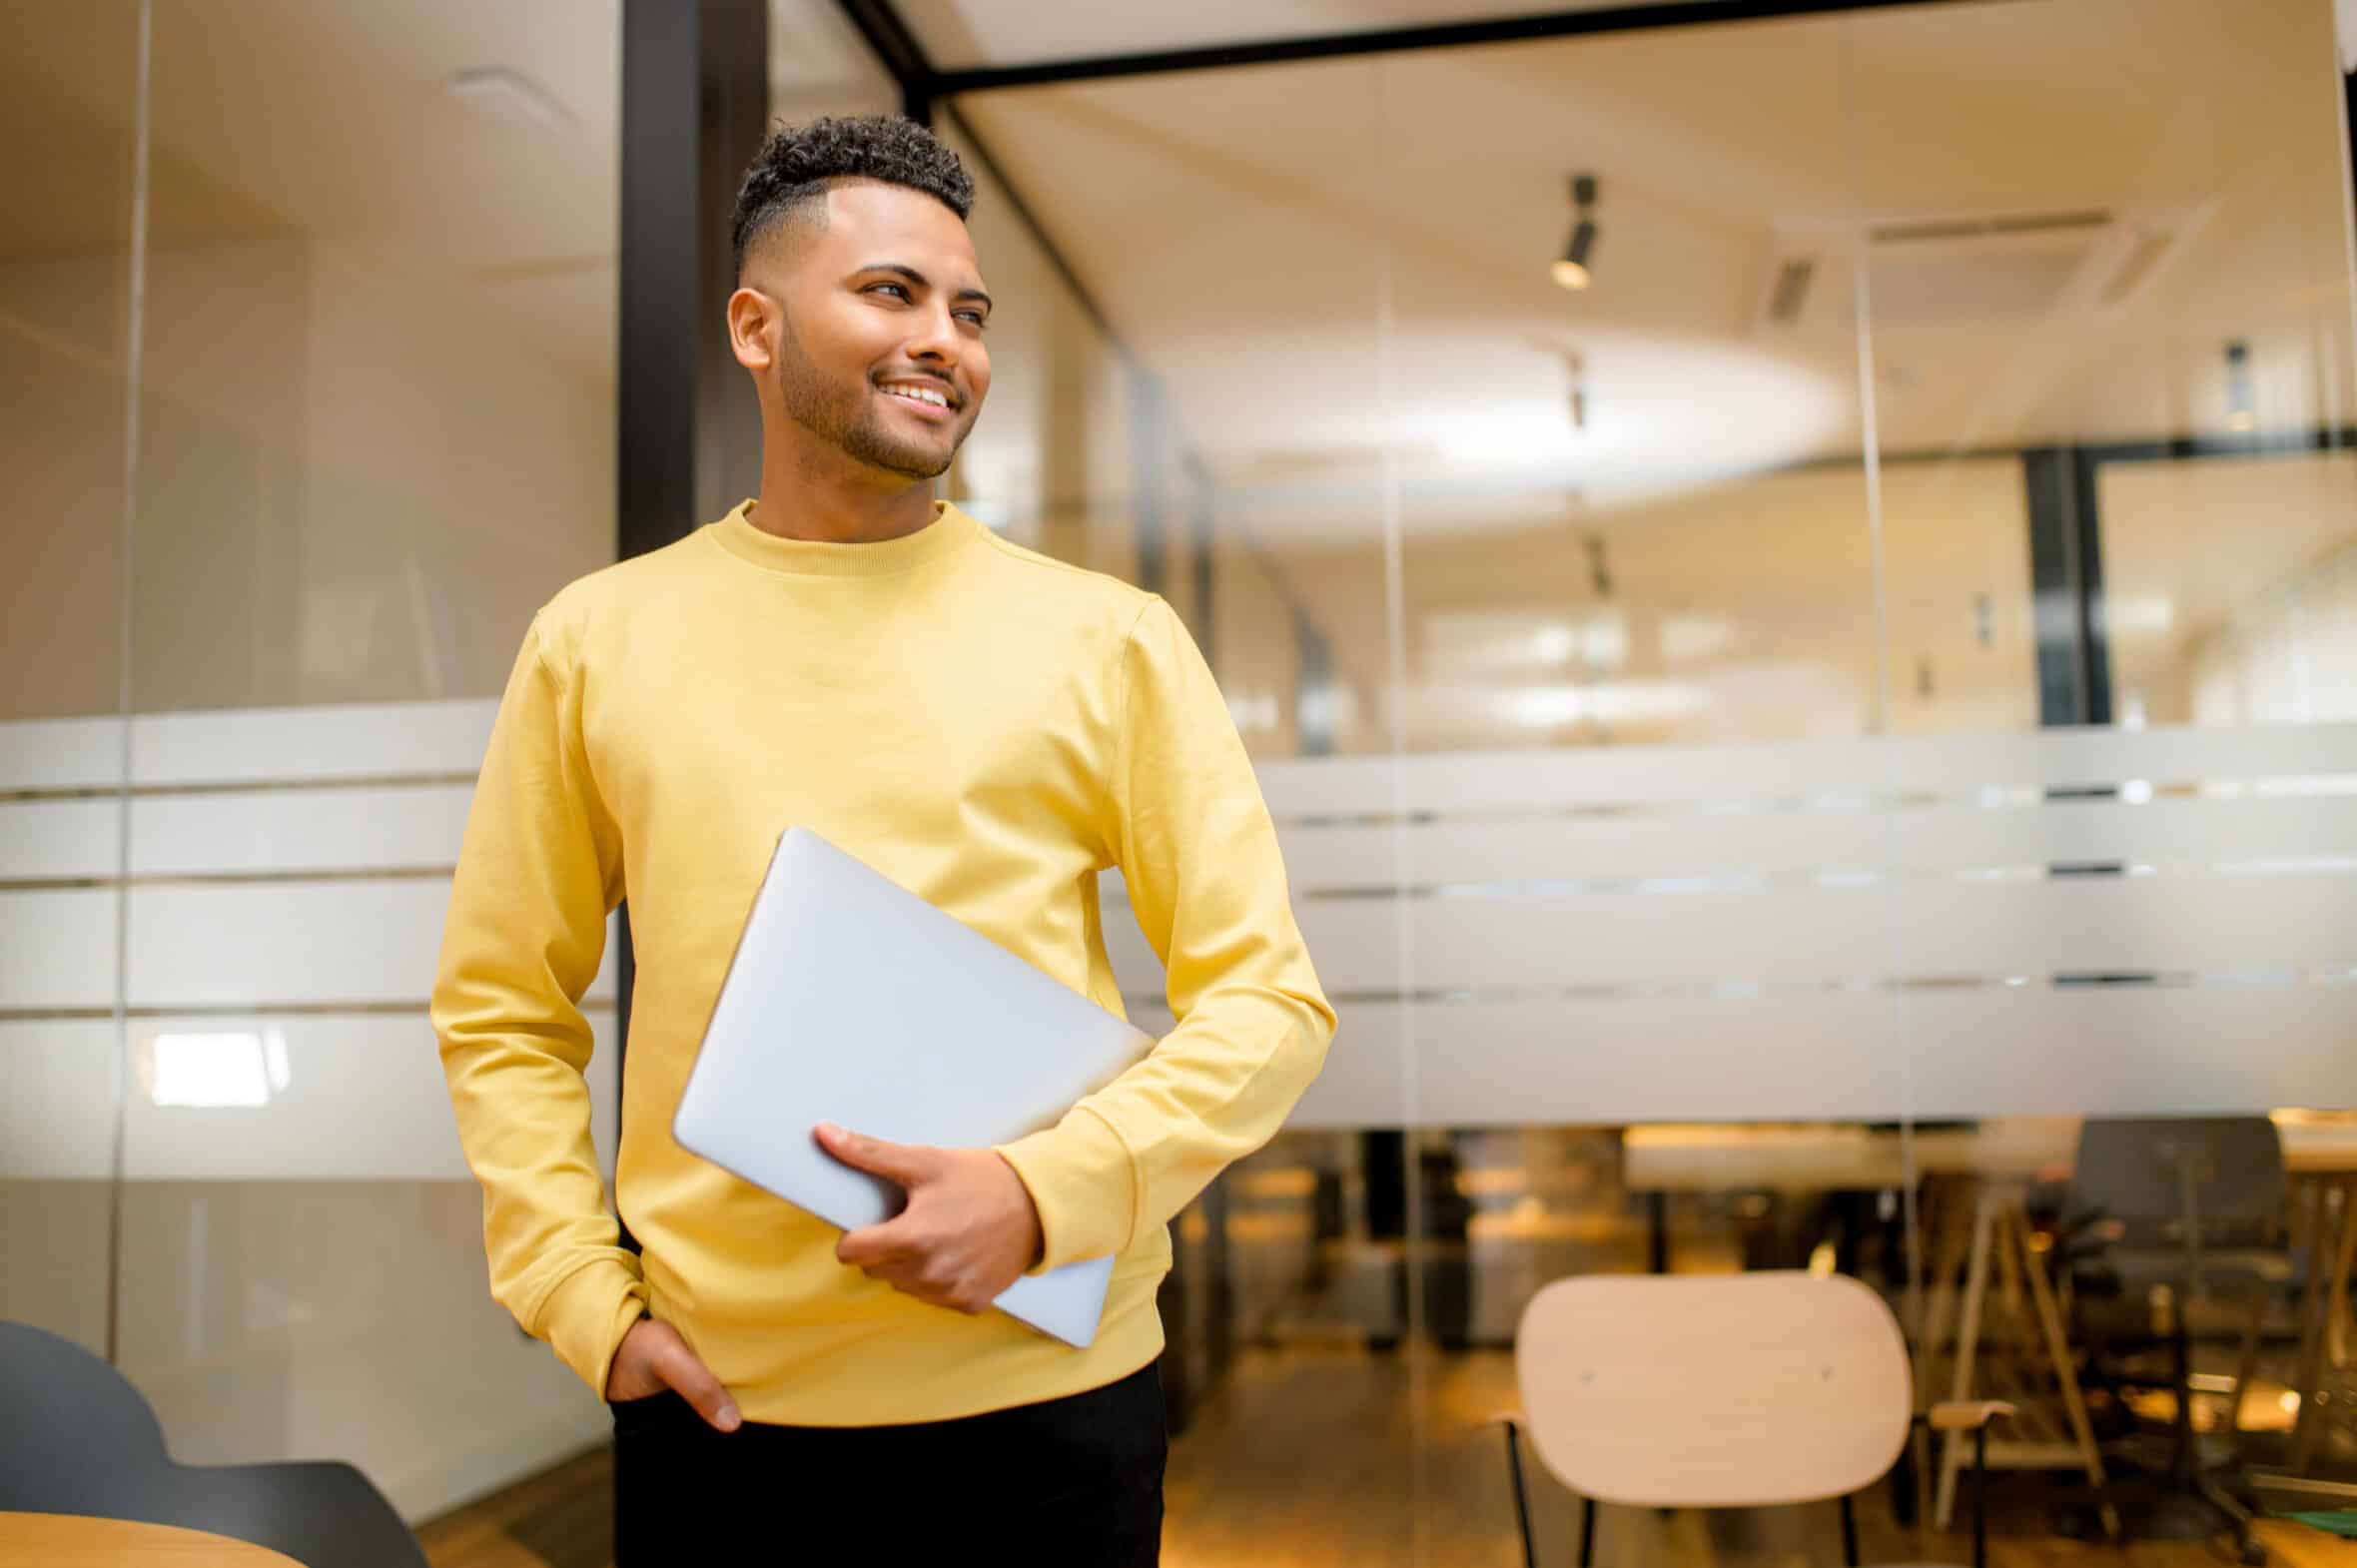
(752, 322)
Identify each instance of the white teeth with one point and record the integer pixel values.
(920, 395)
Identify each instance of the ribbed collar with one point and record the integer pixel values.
(948, 531)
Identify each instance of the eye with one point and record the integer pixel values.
(901, 289)
(979, 320)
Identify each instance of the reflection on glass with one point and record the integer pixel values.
(240, 1067)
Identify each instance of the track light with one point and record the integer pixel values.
(1570, 271)
(2243, 412)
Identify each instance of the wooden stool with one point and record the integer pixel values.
(1998, 1239)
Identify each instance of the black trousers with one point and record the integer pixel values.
(1074, 1481)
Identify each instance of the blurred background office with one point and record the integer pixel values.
(1791, 570)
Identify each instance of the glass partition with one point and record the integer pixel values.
(2120, 273)
(1728, 719)
(377, 433)
(69, 85)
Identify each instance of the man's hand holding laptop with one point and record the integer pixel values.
(969, 1231)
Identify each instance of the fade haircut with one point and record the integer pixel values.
(788, 177)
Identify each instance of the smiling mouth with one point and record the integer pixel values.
(922, 396)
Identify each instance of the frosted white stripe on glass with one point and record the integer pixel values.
(2173, 834)
(59, 838)
(363, 740)
(61, 754)
(57, 1119)
(1506, 781)
(304, 943)
(57, 949)
(298, 830)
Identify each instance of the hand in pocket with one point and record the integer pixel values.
(653, 1360)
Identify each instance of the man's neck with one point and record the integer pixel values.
(833, 498)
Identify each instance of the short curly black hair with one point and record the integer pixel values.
(797, 161)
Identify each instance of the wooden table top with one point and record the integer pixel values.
(49, 1540)
(1673, 1158)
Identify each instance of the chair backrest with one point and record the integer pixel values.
(68, 1421)
(1713, 1391)
(2130, 1169)
(77, 1438)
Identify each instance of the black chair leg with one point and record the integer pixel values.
(1849, 1532)
(2248, 1548)
(1530, 1556)
(1980, 1496)
(1588, 1506)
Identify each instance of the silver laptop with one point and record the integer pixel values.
(855, 1002)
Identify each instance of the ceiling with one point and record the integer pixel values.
(957, 34)
(1328, 262)
(1339, 272)
(1332, 262)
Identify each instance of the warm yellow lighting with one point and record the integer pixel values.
(2290, 1401)
(1569, 275)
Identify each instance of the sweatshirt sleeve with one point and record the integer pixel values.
(539, 872)
(1194, 843)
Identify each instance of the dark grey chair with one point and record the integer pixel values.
(2194, 1205)
(77, 1438)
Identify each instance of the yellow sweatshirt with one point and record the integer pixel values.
(990, 729)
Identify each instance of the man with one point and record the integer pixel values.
(990, 729)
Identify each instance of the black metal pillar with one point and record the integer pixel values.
(1150, 480)
(1202, 521)
(1314, 712)
(695, 103)
(2067, 580)
(897, 49)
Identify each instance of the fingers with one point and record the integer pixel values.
(898, 1163)
(671, 1360)
(893, 1253)
(876, 1246)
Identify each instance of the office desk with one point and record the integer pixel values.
(1675, 1158)
(48, 1540)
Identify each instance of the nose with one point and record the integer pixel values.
(935, 341)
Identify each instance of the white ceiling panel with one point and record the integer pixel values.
(959, 34)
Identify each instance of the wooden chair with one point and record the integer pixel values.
(1718, 1391)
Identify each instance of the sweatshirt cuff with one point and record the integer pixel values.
(586, 1316)
(1083, 1185)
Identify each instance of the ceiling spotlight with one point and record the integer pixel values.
(2243, 412)
(1570, 271)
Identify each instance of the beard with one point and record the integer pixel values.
(845, 413)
